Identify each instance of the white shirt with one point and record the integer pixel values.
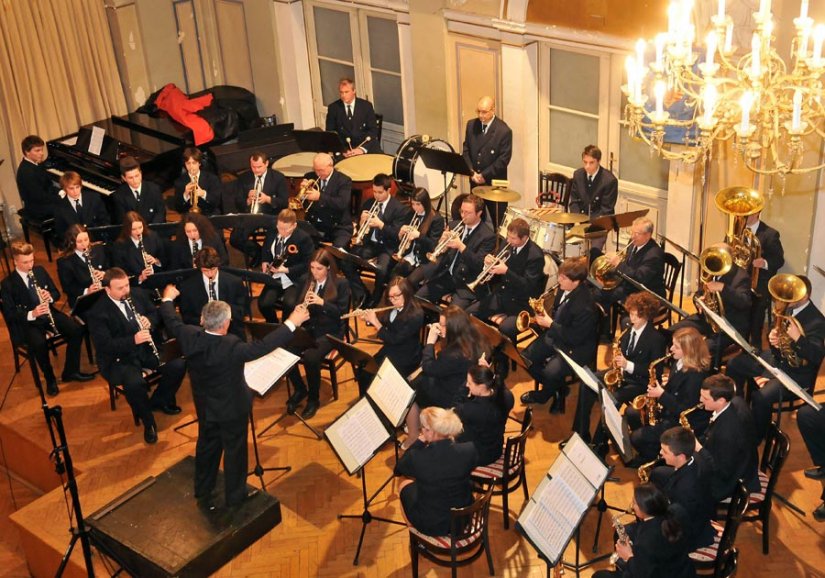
(716, 414)
(634, 339)
(286, 282)
(25, 276)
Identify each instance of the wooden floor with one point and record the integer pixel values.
(111, 456)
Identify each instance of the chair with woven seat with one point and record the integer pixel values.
(467, 540)
(553, 188)
(714, 559)
(507, 473)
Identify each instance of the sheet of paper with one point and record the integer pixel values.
(391, 393)
(585, 460)
(96, 142)
(357, 435)
(262, 373)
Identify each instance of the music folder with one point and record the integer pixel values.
(358, 433)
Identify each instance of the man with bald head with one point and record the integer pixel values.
(330, 212)
(488, 147)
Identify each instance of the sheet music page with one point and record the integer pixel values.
(391, 393)
(262, 373)
(546, 518)
(585, 460)
(790, 384)
(588, 380)
(613, 420)
(357, 434)
(564, 471)
(96, 142)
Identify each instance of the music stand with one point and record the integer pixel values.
(105, 233)
(85, 302)
(319, 141)
(164, 278)
(245, 220)
(618, 221)
(446, 162)
(361, 361)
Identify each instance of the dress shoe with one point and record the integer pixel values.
(51, 388)
(150, 434)
(78, 376)
(206, 504)
(817, 473)
(294, 400)
(819, 513)
(529, 397)
(558, 401)
(169, 409)
(310, 410)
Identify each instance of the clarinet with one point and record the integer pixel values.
(143, 253)
(87, 256)
(33, 281)
(154, 347)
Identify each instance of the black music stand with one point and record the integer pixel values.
(347, 257)
(106, 233)
(446, 162)
(85, 302)
(160, 280)
(618, 221)
(361, 361)
(317, 141)
(165, 230)
(246, 220)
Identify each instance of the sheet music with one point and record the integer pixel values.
(262, 373)
(588, 379)
(357, 435)
(545, 530)
(580, 490)
(613, 420)
(789, 383)
(590, 466)
(391, 393)
(96, 142)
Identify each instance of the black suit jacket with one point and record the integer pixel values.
(647, 266)
(36, 190)
(480, 243)
(490, 153)
(574, 325)
(444, 376)
(129, 258)
(216, 366)
(772, 251)
(737, 298)
(297, 259)
(402, 339)
(688, 488)
(361, 126)
(429, 239)
(596, 200)
(231, 290)
(484, 420)
(682, 392)
(209, 182)
(151, 206)
(396, 216)
(93, 213)
(74, 273)
(332, 210)
(810, 348)
(181, 253)
(649, 347)
(274, 185)
(654, 556)
(326, 318)
(17, 302)
(523, 279)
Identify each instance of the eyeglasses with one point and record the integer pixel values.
(394, 295)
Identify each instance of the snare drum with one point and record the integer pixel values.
(549, 236)
(410, 172)
(575, 248)
(514, 213)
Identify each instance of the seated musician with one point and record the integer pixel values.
(440, 470)
(78, 207)
(571, 326)
(37, 191)
(399, 330)
(484, 414)
(379, 230)
(121, 324)
(688, 369)
(330, 196)
(262, 190)
(81, 267)
(327, 296)
(285, 256)
(633, 353)
(771, 259)
(424, 231)
(213, 285)
(137, 195)
(196, 186)
(463, 258)
(796, 347)
(138, 250)
(811, 424)
(514, 281)
(29, 297)
(195, 233)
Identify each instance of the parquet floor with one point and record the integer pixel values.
(111, 456)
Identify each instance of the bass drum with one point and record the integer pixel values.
(409, 170)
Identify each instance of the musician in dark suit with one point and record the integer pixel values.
(194, 233)
(81, 267)
(138, 250)
(811, 424)
(381, 218)
(593, 189)
(285, 255)
(327, 297)
(484, 413)
(464, 258)
(123, 340)
(800, 359)
(33, 183)
(440, 469)
(330, 212)
(196, 184)
(728, 448)
(29, 311)
(137, 195)
(213, 285)
(78, 207)
(770, 260)
(223, 401)
(572, 327)
(514, 281)
(354, 120)
(424, 229)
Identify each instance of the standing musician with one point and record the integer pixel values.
(223, 401)
(327, 296)
(285, 256)
(771, 259)
(514, 281)
(213, 285)
(137, 195)
(593, 189)
(78, 206)
(464, 256)
(572, 327)
(640, 345)
(423, 232)
(126, 348)
(354, 120)
(33, 182)
(195, 233)
(378, 228)
(81, 267)
(811, 424)
(484, 413)
(689, 368)
(29, 311)
(330, 196)
(197, 187)
(138, 250)
(797, 349)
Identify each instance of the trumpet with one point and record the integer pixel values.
(614, 376)
(539, 305)
(441, 248)
(296, 203)
(683, 420)
(486, 273)
(605, 273)
(363, 312)
(255, 209)
(154, 347)
(37, 289)
(406, 239)
(365, 226)
(193, 179)
(649, 408)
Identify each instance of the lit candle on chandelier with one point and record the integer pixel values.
(659, 91)
(729, 37)
(765, 8)
(756, 46)
(711, 42)
(745, 103)
(819, 37)
(630, 68)
(709, 98)
(660, 50)
(803, 10)
(720, 13)
(796, 119)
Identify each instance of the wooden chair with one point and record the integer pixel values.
(714, 559)
(44, 227)
(553, 188)
(467, 539)
(672, 269)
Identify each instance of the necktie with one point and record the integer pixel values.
(320, 289)
(212, 295)
(632, 343)
(194, 249)
(323, 185)
(77, 206)
(32, 291)
(349, 112)
(130, 315)
(589, 180)
(484, 128)
(137, 195)
(279, 247)
(259, 185)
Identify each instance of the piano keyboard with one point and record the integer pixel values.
(86, 184)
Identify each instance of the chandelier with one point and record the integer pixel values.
(686, 94)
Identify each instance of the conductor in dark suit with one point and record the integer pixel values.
(330, 212)
(78, 207)
(138, 195)
(196, 186)
(33, 183)
(488, 147)
(354, 120)
(593, 189)
(223, 400)
(771, 259)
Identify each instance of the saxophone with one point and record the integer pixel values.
(683, 420)
(614, 376)
(621, 534)
(649, 408)
(645, 469)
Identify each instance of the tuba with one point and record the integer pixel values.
(649, 408)
(786, 289)
(542, 305)
(613, 377)
(716, 260)
(602, 271)
(738, 203)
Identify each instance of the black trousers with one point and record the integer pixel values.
(227, 438)
(269, 298)
(587, 399)
(312, 359)
(547, 368)
(445, 284)
(136, 387)
(36, 343)
(383, 263)
(812, 427)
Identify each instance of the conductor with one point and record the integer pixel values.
(223, 401)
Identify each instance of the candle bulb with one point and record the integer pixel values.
(671, 20)
(720, 13)
(709, 97)
(803, 10)
(802, 49)
(660, 50)
(729, 37)
(756, 45)
(796, 119)
(745, 103)
(765, 8)
(630, 68)
(819, 36)
(710, 41)
(659, 92)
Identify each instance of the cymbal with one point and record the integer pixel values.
(565, 218)
(489, 193)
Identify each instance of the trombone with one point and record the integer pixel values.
(365, 226)
(487, 273)
(441, 248)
